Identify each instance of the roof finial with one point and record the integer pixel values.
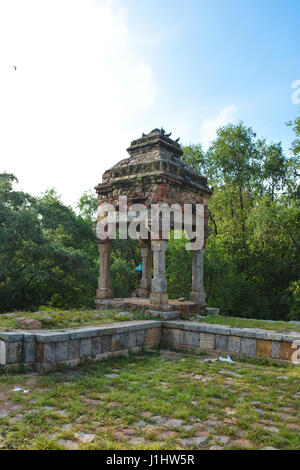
(163, 132)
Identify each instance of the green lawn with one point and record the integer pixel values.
(244, 323)
(153, 401)
(51, 318)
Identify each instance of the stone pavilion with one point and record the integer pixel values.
(154, 173)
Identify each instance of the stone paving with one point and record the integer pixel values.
(159, 400)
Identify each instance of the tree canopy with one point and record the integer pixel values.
(49, 256)
(252, 257)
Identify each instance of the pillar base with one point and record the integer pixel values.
(198, 298)
(105, 293)
(144, 293)
(158, 298)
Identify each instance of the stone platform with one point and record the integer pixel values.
(184, 307)
(173, 197)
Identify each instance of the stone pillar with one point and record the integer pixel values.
(198, 295)
(105, 290)
(147, 266)
(159, 294)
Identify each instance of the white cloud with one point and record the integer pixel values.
(208, 129)
(296, 94)
(67, 112)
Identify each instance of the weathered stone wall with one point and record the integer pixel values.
(42, 350)
(248, 342)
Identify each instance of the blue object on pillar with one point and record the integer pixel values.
(139, 267)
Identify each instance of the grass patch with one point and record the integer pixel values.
(245, 323)
(52, 318)
(155, 400)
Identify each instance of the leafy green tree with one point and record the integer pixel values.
(294, 162)
(87, 206)
(48, 254)
(296, 143)
(233, 158)
(194, 155)
(179, 280)
(124, 278)
(274, 249)
(252, 254)
(294, 291)
(275, 166)
(235, 167)
(20, 240)
(125, 253)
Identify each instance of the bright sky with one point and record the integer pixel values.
(92, 75)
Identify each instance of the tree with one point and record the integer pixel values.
(233, 158)
(235, 167)
(295, 148)
(294, 162)
(275, 167)
(252, 255)
(47, 255)
(179, 280)
(194, 155)
(125, 254)
(87, 206)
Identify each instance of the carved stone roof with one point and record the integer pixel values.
(152, 157)
(155, 140)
